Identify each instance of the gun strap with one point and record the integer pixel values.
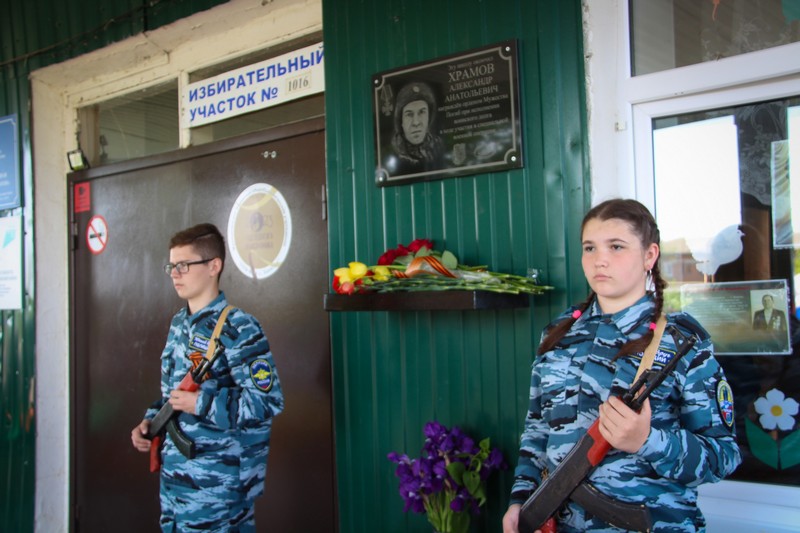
(212, 344)
(650, 352)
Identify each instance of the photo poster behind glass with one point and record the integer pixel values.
(743, 318)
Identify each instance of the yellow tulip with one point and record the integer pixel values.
(343, 274)
(381, 273)
(357, 270)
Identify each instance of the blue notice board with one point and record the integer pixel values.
(9, 169)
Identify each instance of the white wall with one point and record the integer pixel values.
(222, 33)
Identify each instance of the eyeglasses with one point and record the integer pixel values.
(183, 266)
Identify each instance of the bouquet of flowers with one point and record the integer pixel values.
(418, 267)
(447, 481)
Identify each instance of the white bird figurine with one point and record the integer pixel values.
(725, 247)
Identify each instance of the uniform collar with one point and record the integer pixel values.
(215, 307)
(628, 319)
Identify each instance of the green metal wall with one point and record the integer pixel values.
(34, 34)
(394, 371)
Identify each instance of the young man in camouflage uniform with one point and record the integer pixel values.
(589, 356)
(229, 418)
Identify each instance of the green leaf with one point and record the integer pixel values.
(456, 470)
(472, 480)
(404, 259)
(422, 252)
(761, 444)
(449, 260)
(790, 450)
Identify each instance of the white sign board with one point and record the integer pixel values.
(11, 262)
(275, 81)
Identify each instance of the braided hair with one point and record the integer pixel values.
(644, 226)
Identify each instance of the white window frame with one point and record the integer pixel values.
(648, 100)
(621, 110)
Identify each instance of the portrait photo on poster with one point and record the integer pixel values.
(743, 318)
(452, 116)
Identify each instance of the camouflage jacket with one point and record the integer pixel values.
(691, 439)
(235, 406)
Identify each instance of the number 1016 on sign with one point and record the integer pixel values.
(298, 83)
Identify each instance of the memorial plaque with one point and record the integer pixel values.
(452, 116)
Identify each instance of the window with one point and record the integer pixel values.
(294, 111)
(674, 33)
(635, 122)
(728, 205)
(138, 124)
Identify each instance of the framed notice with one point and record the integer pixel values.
(11, 262)
(784, 201)
(9, 169)
(452, 116)
(743, 318)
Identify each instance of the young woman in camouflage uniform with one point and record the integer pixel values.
(588, 356)
(230, 417)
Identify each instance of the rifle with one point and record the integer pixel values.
(167, 420)
(567, 480)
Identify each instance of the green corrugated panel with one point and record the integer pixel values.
(17, 444)
(49, 31)
(33, 34)
(395, 371)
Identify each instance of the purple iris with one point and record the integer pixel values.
(427, 475)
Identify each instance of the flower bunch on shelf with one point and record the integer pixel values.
(419, 267)
(447, 481)
(358, 277)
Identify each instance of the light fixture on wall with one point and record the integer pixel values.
(77, 161)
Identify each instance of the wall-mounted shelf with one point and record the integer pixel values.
(425, 301)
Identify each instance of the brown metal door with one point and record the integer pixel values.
(122, 217)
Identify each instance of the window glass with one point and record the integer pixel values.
(667, 34)
(286, 113)
(727, 200)
(137, 124)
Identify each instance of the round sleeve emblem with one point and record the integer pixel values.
(725, 402)
(261, 374)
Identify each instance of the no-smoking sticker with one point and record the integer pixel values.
(97, 234)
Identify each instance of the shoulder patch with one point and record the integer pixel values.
(261, 374)
(725, 402)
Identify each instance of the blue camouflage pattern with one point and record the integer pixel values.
(689, 443)
(216, 490)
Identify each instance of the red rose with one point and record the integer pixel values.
(347, 288)
(387, 258)
(415, 245)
